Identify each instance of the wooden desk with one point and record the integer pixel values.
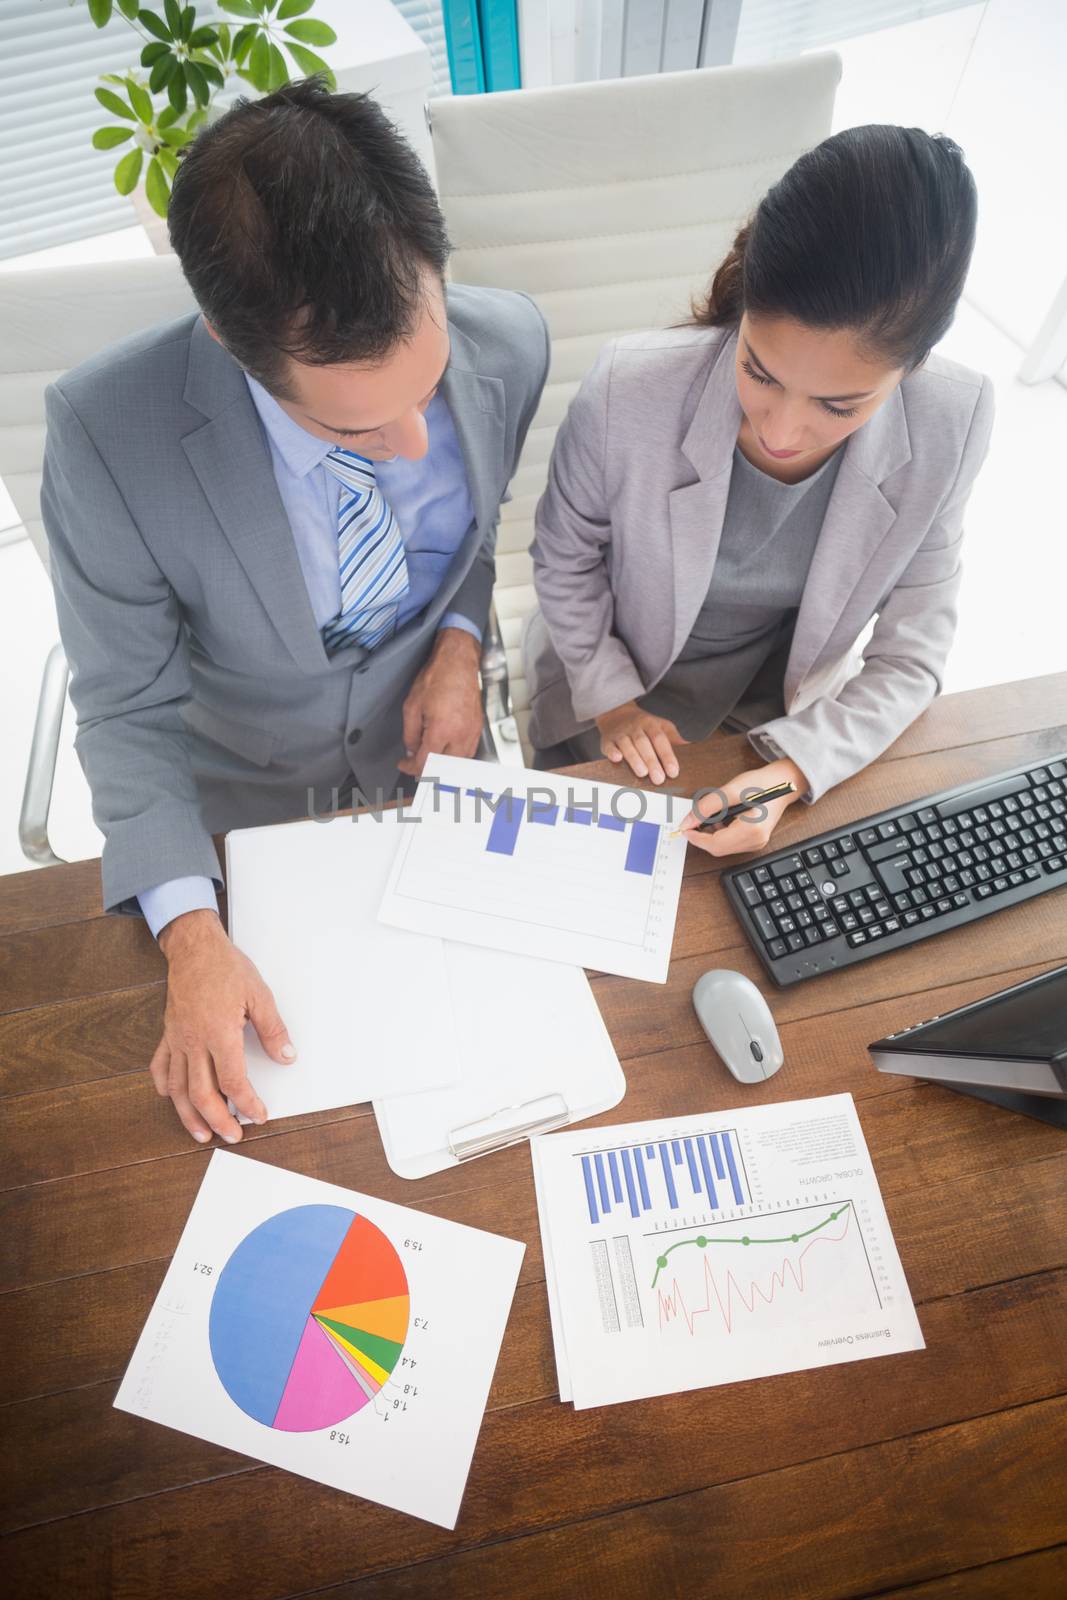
(939, 1473)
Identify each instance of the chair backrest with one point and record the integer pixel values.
(49, 321)
(611, 203)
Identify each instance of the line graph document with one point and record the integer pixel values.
(695, 1251)
(548, 866)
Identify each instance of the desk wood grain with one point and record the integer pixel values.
(937, 1475)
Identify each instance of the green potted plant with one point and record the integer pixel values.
(185, 65)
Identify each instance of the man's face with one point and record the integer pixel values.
(376, 411)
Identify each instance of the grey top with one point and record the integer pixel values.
(769, 533)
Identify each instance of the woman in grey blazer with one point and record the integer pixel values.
(731, 502)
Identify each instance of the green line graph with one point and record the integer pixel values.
(702, 1241)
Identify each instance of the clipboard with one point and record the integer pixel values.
(534, 1056)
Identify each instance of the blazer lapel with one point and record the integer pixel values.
(231, 460)
(477, 406)
(853, 533)
(697, 509)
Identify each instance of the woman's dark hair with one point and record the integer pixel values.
(871, 231)
(304, 223)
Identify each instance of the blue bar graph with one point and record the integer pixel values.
(644, 840)
(509, 811)
(704, 1170)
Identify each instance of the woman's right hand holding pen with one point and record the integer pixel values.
(752, 830)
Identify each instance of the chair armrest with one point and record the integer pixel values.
(500, 734)
(41, 768)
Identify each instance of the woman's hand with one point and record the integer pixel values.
(753, 830)
(646, 742)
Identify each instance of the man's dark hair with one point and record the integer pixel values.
(304, 224)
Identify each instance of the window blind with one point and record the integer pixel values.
(53, 185)
(425, 17)
(769, 30)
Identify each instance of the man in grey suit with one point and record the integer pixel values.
(272, 529)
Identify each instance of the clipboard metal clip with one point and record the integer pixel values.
(508, 1126)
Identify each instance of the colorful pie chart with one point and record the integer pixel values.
(308, 1318)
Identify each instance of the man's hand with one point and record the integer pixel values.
(745, 833)
(443, 712)
(646, 742)
(212, 989)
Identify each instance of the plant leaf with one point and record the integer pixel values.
(238, 8)
(309, 63)
(166, 117)
(108, 138)
(157, 188)
(175, 137)
(112, 102)
(154, 52)
(176, 90)
(188, 18)
(129, 9)
(169, 162)
(243, 41)
(259, 63)
(162, 73)
(311, 32)
(128, 171)
(100, 11)
(293, 8)
(173, 12)
(194, 77)
(155, 25)
(140, 100)
(279, 72)
(212, 74)
(202, 39)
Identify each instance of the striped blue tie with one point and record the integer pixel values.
(374, 571)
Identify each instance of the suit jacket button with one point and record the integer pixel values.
(355, 735)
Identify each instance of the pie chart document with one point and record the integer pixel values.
(343, 1338)
(544, 865)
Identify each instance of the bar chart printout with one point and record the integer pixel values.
(558, 868)
(703, 1250)
(319, 1330)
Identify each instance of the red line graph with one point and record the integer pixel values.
(672, 1305)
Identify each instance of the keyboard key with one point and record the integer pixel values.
(813, 856)
(857, 938)
(795, 942)
(795, 902)
(787, 865)
(786, 925)
(846, 844)
(762, 875)
(911, 918)
(840, 869)
(777, 949)
(868, 836)
(927, 814)
(984, 890)
(885, 848)
(893, 874)
(764, 922)
(908, 823)
(805, 919)
(943, 906)
(893, 925)
(830, 850)
(812, 935)
(888, 830)
(803, 880)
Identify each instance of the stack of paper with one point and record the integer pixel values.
(467, 1042)
(702, 1250)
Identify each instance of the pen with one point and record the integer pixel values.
(721, 818)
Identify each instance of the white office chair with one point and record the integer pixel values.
(610, 203)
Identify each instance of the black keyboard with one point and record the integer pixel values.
(905, 874)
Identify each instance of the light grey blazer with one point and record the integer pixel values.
(204, 694)
(628, 530)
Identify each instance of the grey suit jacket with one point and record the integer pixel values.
(204, 695)
(629, 527)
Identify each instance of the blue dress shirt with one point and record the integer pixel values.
(433, 508)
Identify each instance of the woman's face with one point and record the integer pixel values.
(803, 390)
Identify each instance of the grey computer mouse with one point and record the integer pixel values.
(738, 1021)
